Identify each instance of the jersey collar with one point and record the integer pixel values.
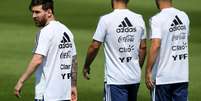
(53, 21)
(120, 10)
(170, 8)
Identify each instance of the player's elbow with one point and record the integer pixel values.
(95, 45)
(143, 47)
(155, 44)
(155, 47)
(37, 59)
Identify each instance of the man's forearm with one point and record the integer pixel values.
(150, 61)
(153, 54)
(142, 56)
(34, 63)
(142, 52)
(74, 71)
(90, 57)
(92, 53)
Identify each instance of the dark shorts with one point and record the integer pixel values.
(170, 92)
(121, 92)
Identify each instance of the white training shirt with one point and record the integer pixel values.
(172, 27)
(53, 77)
(121, 32)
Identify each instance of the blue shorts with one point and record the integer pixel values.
(121, 92)
(170, 92)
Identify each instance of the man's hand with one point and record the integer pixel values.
(17, 89)
(36, 60)
(149, 81)
(86, 72)
(153, 52)
(91, 54)
(74, 93)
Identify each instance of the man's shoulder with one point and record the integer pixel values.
(54, 26)
(135, 13)
(106, 16)
(114, 14)
(157, 15)
(184, 13)
(181, 11)
(49, 27)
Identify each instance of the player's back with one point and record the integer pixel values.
(124, 31)
(53, 77)
(172, 62)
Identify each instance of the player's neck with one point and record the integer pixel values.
(165, 5)
(50, 19)
(120, 6)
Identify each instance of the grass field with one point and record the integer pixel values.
(18, 32)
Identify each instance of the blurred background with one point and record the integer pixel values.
(17, 34)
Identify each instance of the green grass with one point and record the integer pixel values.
(81, 16)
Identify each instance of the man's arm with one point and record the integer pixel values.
(91, 54)
(36, 60)
(153, 52)
(74, 71)
(142, 52)
(74, 79)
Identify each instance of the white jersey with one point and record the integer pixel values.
(121, 32)
(172, 27)
(53, 77)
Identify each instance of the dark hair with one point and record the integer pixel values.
(46, 4)
(124, 1)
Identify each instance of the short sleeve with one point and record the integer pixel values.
(155, 28)
(188, 24)
(144, 32)
(73, 48)
(43, 43)
(100, 33)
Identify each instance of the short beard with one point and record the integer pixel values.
(40, 23)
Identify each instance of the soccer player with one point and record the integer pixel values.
(123, 34)
(54, 57)
(167, 67)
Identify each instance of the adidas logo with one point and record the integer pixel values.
(65, 42)
(177, 25)
(65, 38)
(125, 26)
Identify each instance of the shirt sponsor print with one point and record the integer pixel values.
(65, 44)
(126, 39)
